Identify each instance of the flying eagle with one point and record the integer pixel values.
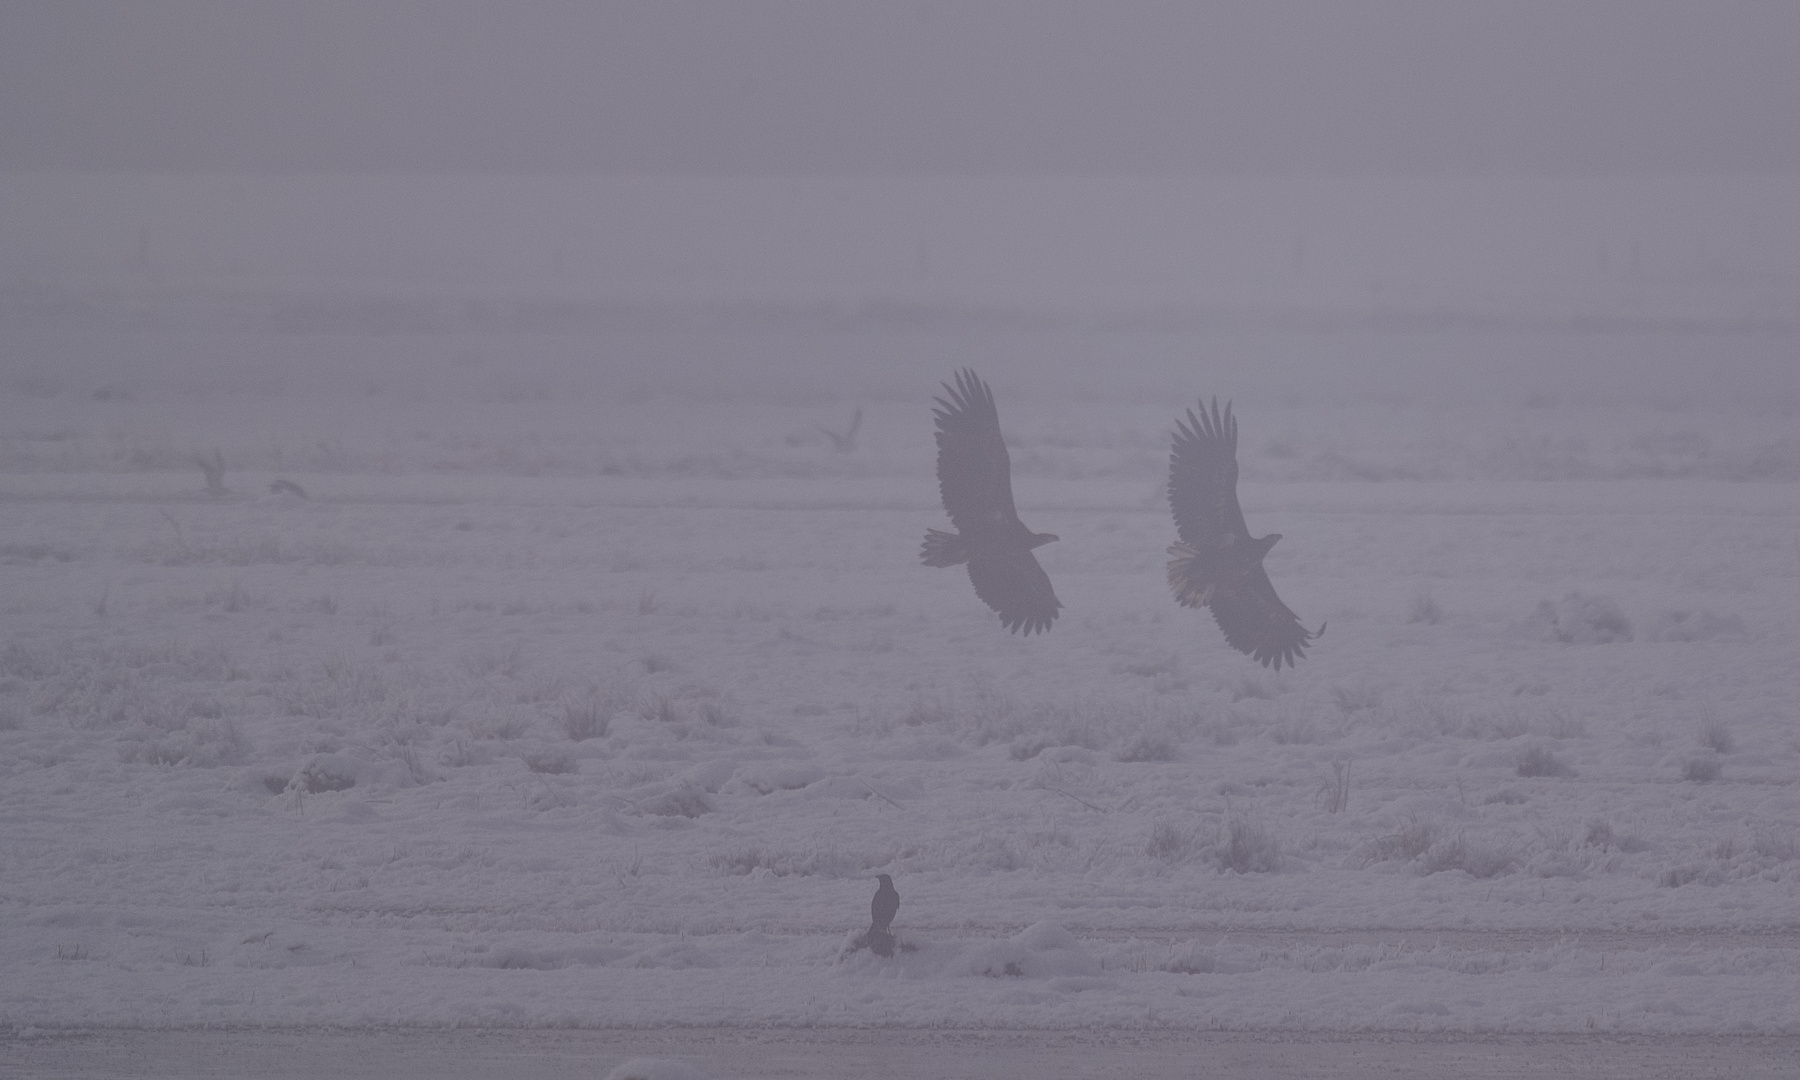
(975, 479)
(1217, 563)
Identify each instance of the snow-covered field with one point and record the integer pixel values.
(591, 686)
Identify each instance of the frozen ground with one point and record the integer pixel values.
(835, 1053)
(591, 686)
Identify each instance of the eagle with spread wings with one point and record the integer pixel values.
(975, 479)
(1217, 563)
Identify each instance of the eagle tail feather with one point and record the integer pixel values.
(943, 549)
(1189, 590)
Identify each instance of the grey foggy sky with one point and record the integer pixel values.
(1635, 86)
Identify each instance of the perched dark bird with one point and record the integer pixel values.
(881, 915)
(1218, 564)
(975, 480)
(886, 904)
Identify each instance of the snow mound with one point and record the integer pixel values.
(344, 770)
(1039, 951)
(679, 798)
(1044, 950)
(763, 778)
(1697, 625)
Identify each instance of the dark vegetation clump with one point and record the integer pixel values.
(1701, 770)
(1578, 619)
(1539, 761)
(1248, 848)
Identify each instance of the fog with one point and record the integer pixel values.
(464, 467)
(1593, 167)
(795, 88)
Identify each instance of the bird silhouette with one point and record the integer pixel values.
(882, 910)
(1217, 563)
(886, 904)
(975, 480)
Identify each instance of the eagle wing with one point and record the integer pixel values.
(1255, 621)
(975, 480)
(1203, 474)
(1013, 584)
(974, 470)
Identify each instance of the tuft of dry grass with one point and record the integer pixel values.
(1425, 610)
(507, 662)
(1702, 770)
(660, 708)
(933, 710)
(1476, 858)
(1351, 699)
(1782, 845)
(819, 861)
(1248, 848)
(553, 760)
(1334, 794)
(1252, 686)
(1169, 842)
(1716, 737)
(506, 726)
(1578, 619)
(1148, 747)
(1410, 841)
(1539, 761)
(584, 718)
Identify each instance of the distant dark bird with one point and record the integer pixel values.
(287, 487)
(975, 480)
(213, 468)
(1218, 564)
(845, 441)
(886, 904)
